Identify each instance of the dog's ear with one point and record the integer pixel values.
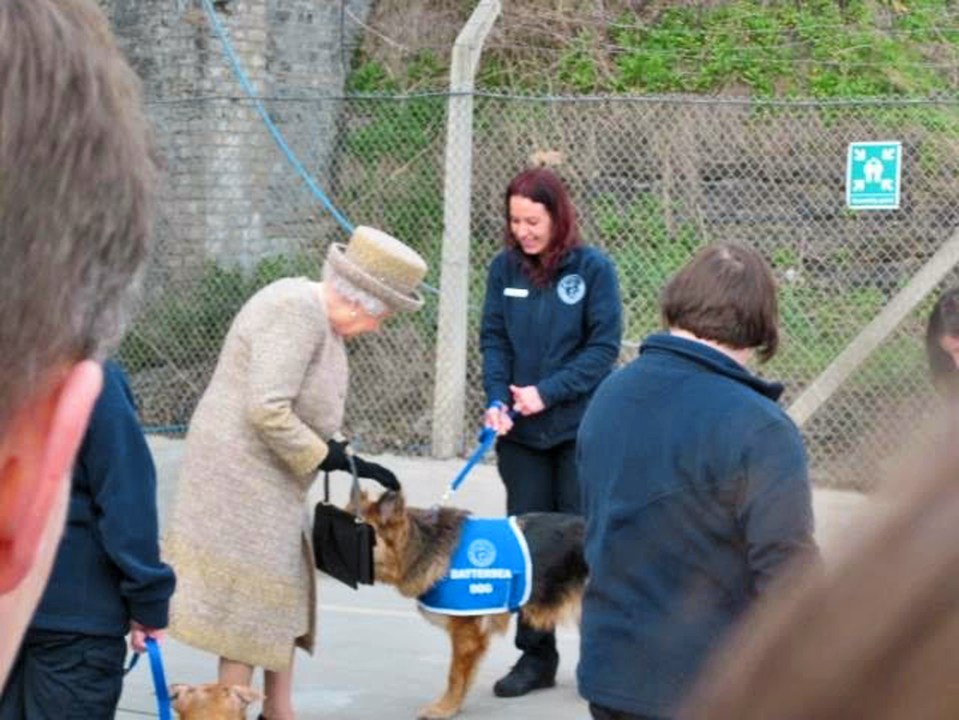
(246, 694)
(391, 505)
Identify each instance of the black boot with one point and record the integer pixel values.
(529, 673)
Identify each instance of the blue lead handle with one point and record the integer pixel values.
(487, 436)
(159, 679)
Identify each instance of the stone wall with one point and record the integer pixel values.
(227, 190)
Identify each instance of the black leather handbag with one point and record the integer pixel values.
(343, 542)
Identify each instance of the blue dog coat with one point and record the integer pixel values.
(490, 571)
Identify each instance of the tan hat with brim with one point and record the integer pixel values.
(381, 265)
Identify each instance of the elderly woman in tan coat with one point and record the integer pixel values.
(239, 532)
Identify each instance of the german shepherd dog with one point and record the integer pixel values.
(413, 551)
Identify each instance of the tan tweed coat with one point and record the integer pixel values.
(239, 531)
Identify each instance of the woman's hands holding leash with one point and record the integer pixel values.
(498, 417)
(337, 458)
(526, 401)
(139, 634)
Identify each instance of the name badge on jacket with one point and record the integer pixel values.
(516, 292)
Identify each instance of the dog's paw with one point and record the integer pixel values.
(437, 711)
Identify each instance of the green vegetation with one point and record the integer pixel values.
(400, 129)
(423, 70)
(639, 241)
(817, 48)
(814, 48)
(187, 328)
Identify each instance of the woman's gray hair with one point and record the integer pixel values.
(371, 304)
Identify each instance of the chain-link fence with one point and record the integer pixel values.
(653, 178)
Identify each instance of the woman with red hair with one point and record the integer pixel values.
(551, 331)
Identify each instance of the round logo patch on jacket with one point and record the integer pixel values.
(571, 288)
(482, 553)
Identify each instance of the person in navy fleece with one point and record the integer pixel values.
(695, 489)
(551, 331)
(107, 580)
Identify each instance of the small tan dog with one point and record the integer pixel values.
(212, 701)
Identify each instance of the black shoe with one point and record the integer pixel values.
(530, 673)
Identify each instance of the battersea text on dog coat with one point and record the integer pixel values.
(490, 571)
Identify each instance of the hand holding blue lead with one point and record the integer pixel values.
(487, 431)
(487, 436)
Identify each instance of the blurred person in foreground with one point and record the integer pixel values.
(551, 331)
(76, 188)
(942, 341)
(695, 489)
(872, 634)
(107, 579)
(239, 535)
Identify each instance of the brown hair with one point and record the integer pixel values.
(873, 635)
(76, 187)
(544, 187)
(943, 320)
(726, 294)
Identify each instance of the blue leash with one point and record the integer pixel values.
(487, 437)
(159, 677)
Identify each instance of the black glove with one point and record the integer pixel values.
(335, 457)
(382, 475)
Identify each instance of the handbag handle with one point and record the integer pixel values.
(354, 489)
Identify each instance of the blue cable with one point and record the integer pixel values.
(268, 121)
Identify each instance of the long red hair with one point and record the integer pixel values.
(543, 186)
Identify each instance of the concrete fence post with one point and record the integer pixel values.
(449, 395)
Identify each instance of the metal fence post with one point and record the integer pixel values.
(449, 396)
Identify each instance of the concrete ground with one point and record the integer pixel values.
(376, 657)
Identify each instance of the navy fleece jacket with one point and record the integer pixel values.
(696, 494)
(107, 569)
(563, 338)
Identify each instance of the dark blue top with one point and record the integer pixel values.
(695, 491)
(107, 569)
(563, 338)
